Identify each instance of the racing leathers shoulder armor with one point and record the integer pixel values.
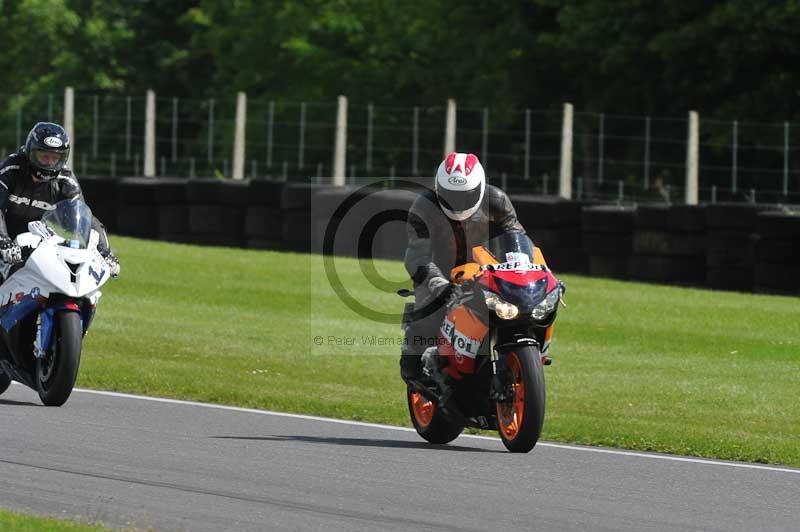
(22, 200)
(436, 244)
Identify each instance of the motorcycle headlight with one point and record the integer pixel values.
(547, 306)
(503, 309)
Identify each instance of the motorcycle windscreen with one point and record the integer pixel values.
(72, 221)
(509, 248)
(460, 337)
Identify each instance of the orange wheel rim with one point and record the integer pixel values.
(422, 408)
(510, 414)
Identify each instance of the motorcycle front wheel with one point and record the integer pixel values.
(520, 418)
(429, 421)
(57, 370)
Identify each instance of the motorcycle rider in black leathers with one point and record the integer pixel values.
(443, 226)
(34, 179)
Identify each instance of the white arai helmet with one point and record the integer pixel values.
(460, 184)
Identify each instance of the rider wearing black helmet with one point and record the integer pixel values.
(32, 180)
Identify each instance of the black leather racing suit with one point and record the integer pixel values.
(23, 201)
(436, 244)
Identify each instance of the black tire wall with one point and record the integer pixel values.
(724, 246)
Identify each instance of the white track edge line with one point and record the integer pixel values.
(616, 452)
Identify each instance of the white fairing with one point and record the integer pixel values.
(48, 271)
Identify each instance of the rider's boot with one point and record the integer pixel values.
(410, 365)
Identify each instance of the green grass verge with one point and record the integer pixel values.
(637, 366)
(15, 522)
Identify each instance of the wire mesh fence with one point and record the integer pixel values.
(616, 157)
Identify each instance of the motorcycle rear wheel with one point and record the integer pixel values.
(520, 420)
(57, 371)
(5, 382)
(430, 423)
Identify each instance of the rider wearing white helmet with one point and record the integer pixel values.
(443, 225)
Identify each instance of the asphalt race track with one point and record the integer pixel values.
(130, 461)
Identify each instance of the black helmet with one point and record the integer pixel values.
(47, 149)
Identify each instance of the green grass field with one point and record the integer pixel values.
(14, 522)
(637, 366)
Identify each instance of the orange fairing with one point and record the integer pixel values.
(468, 324)
(465, 272)
(483, 257)
(538, 257)
(464, 332)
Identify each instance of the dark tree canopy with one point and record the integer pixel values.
(733, 58)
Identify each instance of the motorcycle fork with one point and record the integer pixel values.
(44, 331)
(498, 385)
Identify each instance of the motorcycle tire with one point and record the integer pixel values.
(520, 420)
(57, 371)
(430, 423)
(5, 382)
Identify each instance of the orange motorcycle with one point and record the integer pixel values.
(486, 369)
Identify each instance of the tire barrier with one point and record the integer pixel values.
(330, 207)
(668, 245)
(390, 234)
(137, 214)
(724, 246)
(296, 207)
(607, 233)
(777, 253)
(555, 226)
(101, 195)
(173, 209)
(730, 250)
(263, 218)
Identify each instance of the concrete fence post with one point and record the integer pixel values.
(95, 124)
(692, 158)
(210, 149)
(128, 128)
(786, 158)
(415, 143)
(301, 146)
(735, 157)
(565, 177)
(174, 130)
(239, 138)
(69, 121)
(150, 135)
(450, 128)
(340, 145)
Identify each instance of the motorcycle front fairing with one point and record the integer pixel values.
(515, 293)
(54, 277)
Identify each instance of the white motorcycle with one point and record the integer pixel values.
(48, 301)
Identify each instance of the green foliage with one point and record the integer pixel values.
(636, 57)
